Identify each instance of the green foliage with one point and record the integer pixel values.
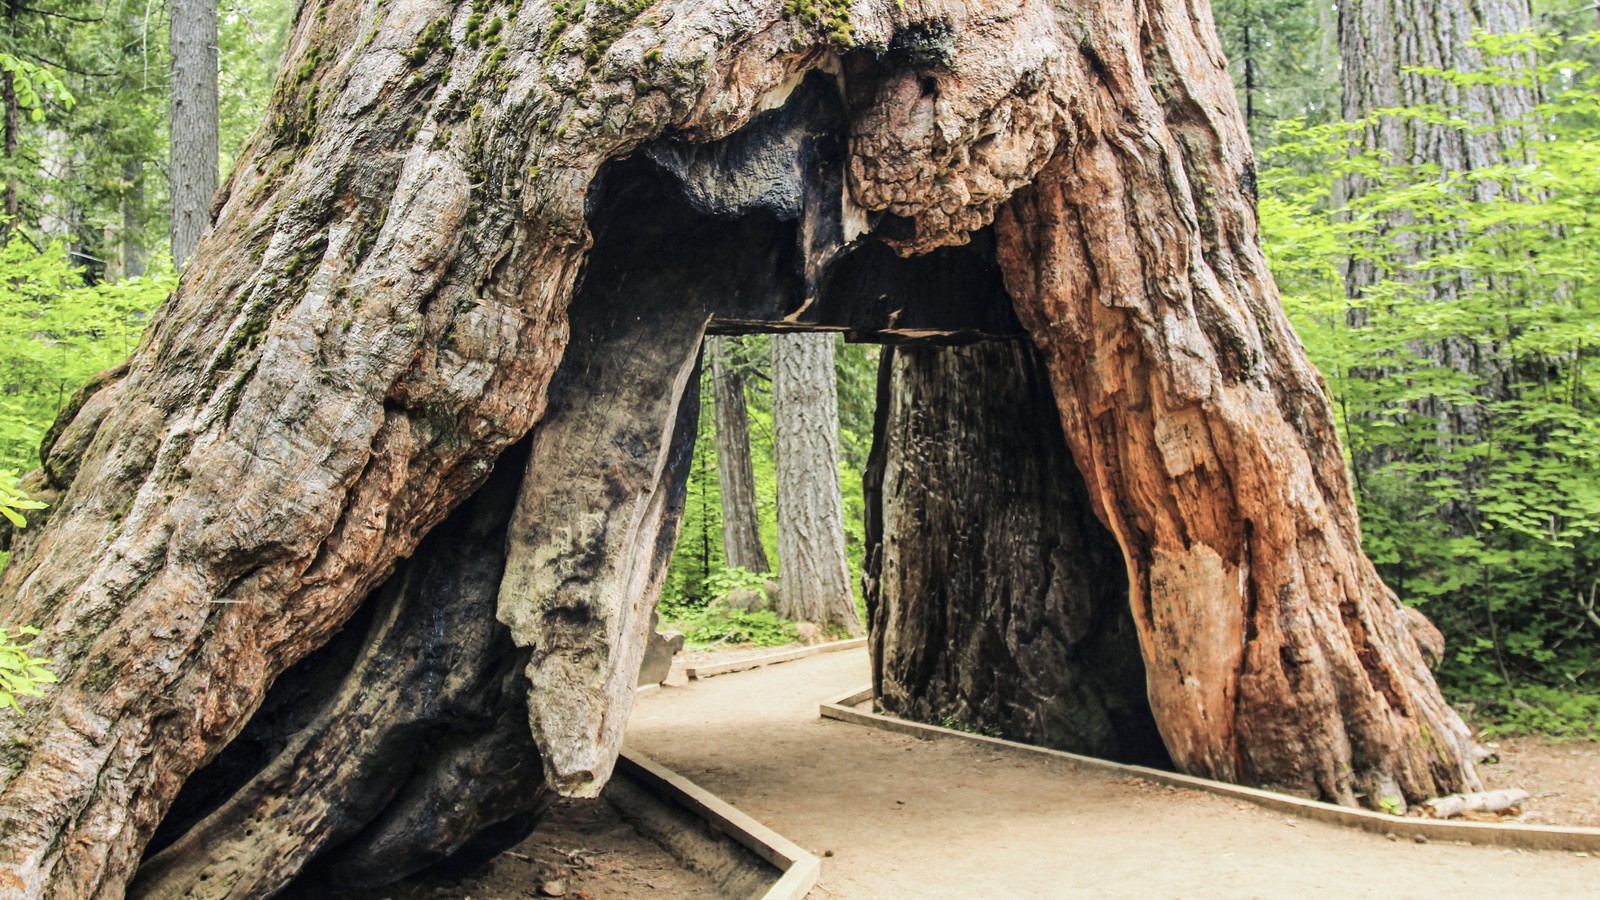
(13, 502)
(55, 333)
(1490, 521)
(1540, 709)
(33, 83)
(717, 624)
(21, 673)
(731, 579)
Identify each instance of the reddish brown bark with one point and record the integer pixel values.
(383, 302)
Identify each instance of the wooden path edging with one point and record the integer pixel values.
(1523, 837)
(696, 673)
(800, 868)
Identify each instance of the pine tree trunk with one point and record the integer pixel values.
(133, 251)
(13, 121)
(1381, 42)
(813, 572)
(394, 279)
(192, 31)
(995, 599)
(741, 529)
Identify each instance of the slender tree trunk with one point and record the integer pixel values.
(133, 252)
(392, 285)
(8, 95)
(193, 41)
(814, 574)
(1249, 80)
(741, 530)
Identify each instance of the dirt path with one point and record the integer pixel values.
(909, 818)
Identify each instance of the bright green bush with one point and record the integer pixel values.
(1495, 533)
(56, 332)
(716, 624)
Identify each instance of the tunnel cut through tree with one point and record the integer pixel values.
(391, 288)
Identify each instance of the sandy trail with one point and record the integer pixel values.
(908, 818)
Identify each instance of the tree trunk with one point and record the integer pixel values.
(741, 528)
(192, 35)
(382, 306)
(995, 599)
(13, 122)
(133, 219)
(1381, 43)
(417, 743)
(813, 572)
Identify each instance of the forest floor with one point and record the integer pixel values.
(894, 816)
(1562, 776)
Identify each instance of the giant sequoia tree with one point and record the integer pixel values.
(464, 224)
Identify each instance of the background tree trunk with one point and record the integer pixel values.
(741, 527)
(1380, 41)
(995, 599)
(192, 30)
(9, 201)
(814, 574)
(382, 306)
(133, 251)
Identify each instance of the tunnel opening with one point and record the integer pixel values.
(995, 597)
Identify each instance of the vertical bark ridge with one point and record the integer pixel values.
(814, 574)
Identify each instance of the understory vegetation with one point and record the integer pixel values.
(1478, 476)
(699, 581)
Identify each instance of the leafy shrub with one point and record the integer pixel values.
(1490, 523)
(1537, 709)
(20, 672)
(56, 332)
(722, 625)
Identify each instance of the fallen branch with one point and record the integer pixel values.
(1487, 801)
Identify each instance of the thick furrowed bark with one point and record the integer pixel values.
(431, 710)
(995, 596)
(1275, 656)
(814, 575)
(379, 310)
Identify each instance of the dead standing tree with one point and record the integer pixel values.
(381, 309)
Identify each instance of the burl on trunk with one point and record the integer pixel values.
(382, 305)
